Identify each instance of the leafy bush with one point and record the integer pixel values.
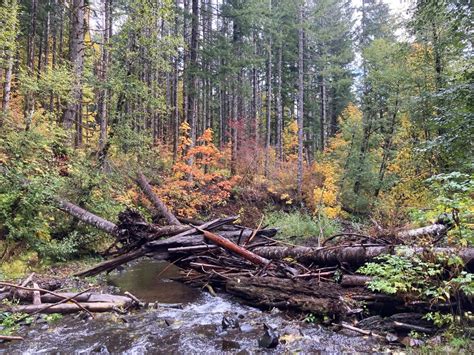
(434, 278)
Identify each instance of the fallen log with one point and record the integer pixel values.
(318, 298)
(434, 230)
(355, 280)
(71, 308)
(10, 337)
(67, 299)
(7, 284)
(85, 296)
(158, 247)
(157, 203)
(354, 255)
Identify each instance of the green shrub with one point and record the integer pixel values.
(426, 277)
(300, 225)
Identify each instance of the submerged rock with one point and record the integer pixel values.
(228, 344)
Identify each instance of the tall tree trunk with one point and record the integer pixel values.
(323, 118)
(300, 108)
(46, 37)
(73, 110)
(268, 132)
(29, 98)
(175, 92)
(53, 50)
(186, 62)
(7, 88)
(193, 79)
(279, 105)
(104, 96)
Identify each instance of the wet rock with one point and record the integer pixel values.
(269, 339)
(228, 344)
(411, 342)
(44, 327)
(391, 338)
(275, 311)
(101, 349)
(169, 321)
(229, 322)
(41, 320)
(246, 328)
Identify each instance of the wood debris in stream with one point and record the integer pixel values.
(262, 271)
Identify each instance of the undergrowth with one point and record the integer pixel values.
(300, 226)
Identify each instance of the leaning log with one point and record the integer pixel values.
(354, 255)
(157, 203)
(158, 247)
(113, 263)
(87, 217)
(227, 244)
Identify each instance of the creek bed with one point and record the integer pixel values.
(196, 326)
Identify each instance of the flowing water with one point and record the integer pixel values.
(199, 324)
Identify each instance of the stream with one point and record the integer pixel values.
(185, 321)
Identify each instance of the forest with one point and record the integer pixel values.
(318, 124)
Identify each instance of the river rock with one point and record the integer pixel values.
(230, 322)
(269, 339)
